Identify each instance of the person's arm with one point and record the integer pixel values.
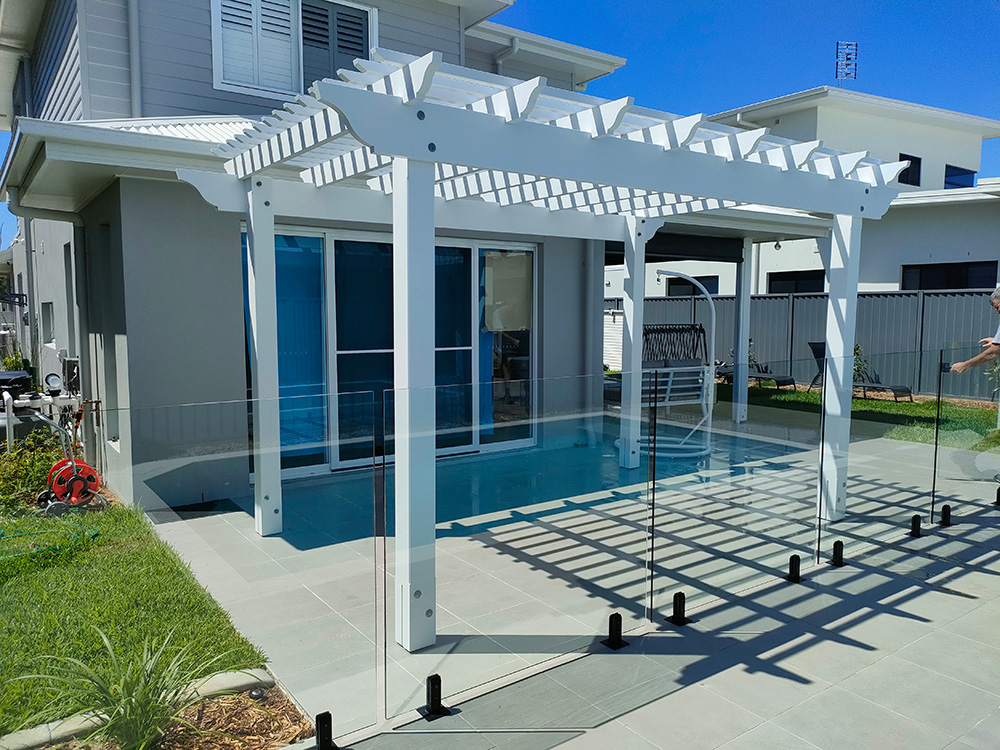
(989, 354)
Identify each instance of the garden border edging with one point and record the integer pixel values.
(65, 730)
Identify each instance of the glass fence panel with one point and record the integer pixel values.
(534, 536)
(271, 504)
(967, 470)
(735, 490)
(876, 466)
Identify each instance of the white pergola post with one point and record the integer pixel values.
(413, 332)
(263, 299)
(741, 335)
(840, 252)
(636, 235)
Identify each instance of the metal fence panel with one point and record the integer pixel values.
(901, 333)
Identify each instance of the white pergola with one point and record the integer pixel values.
(435, 136)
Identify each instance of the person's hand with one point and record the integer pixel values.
(988, 341)
(960, 367)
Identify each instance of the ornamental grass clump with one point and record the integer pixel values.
(134, 701)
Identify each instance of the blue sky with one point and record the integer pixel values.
(709, 57)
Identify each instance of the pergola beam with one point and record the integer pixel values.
(469, 138)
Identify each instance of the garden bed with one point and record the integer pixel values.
(124, 580)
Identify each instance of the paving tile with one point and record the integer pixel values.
(944, 704)
(611, 735)
(979, 625)
(957, 657)
(537, 702)
(260, 612)
(346, 688)
(770, 737)
(298, 646)
(836, 719)
(765, 689)
(985, 735)
(690, 718)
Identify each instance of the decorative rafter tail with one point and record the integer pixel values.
(837, 165)
(674, 134)
(732, 146)
(410, 82)
(599, 121)
(513, 103)
(785, 157)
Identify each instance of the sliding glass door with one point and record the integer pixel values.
(335, 335)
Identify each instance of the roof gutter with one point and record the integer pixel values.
(46, 214)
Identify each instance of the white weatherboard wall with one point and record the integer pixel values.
(656, 286)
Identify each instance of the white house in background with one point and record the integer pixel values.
(941, 232)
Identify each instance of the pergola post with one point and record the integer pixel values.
(413, 338)
(636, 236)
(741, 335)
(263, 304)
(840, 252)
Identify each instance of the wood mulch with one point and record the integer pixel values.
(231, 722)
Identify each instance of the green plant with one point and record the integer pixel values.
(993, 375)
(137, 700)
(25, 470)
(860, 364)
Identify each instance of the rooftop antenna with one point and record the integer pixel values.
(847, 61)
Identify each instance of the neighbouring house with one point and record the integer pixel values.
(941, 232)
(427, 207)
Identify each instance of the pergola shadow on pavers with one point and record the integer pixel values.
(522, 585)
(901, 640)
(456, 148)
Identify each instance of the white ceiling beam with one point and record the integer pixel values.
(513, 103)
(791, 156)
(880, 175)
(673, 134)
(599, 121)
(608, 199)
(836, 165)
(408, 83)
(289, 133)
(356, 162)
(687, 207)
(731, 147)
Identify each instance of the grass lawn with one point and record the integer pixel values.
(125, 581)
(968, 427)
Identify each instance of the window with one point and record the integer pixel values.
(684, 288)
(980, 275)
(956, 177)
(910, 175)
(263, 45)
(796, 282)
(48, 323)
(333, 35)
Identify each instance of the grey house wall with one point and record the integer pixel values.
(183, 302)
(175, 54)
(56, 92)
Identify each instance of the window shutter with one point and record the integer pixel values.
(332, 37)
(352, 36)
(276, 52)
(317, 58)
(237, 41)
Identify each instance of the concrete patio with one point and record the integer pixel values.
(537, 548)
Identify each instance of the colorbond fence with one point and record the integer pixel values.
(782, 325)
